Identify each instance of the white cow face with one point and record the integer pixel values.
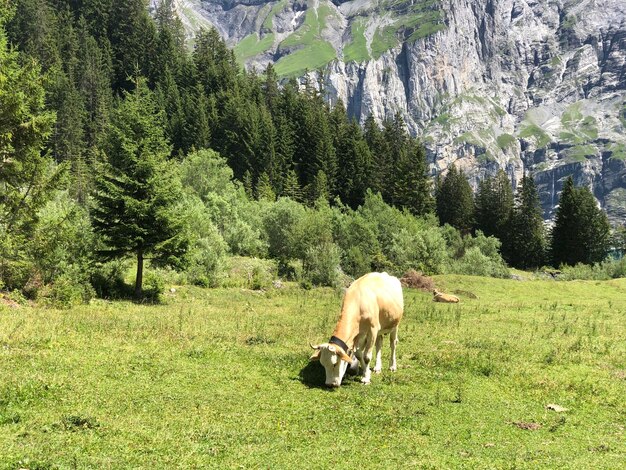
(335, 362)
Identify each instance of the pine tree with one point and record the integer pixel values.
(381, 169)
(455, 201)
(412, 184)
(494, 204)
(318, 189)
(264, 189)
(291, 187)
(137, 189)
(526, 237)
(581, 230)
(26, 174)
(133, 41)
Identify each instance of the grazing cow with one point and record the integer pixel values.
(447, 298)
(373, 306)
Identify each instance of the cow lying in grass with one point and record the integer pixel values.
(447, 298)
(373, 306)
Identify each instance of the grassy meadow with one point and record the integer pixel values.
(220, 379)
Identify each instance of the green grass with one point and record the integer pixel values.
(312, 52)
(581, 152)
(506, 141)
(268, 23)
(221, 379)
(356, 51)
(530, 130)
(618, 151)
(251, 45)
(310, 57)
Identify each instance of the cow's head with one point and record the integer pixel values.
(335, 362)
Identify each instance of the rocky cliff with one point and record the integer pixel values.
(533, 86)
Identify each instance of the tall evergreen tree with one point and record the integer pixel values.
(455, 201)
(581, 232)
(494, 205)
(526, 238)
(412, 183)
(26, 174)
(138, 188)
(133, 41)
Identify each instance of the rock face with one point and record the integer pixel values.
(534, 86)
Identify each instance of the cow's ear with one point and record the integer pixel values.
(315, 356)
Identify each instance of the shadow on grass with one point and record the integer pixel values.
(312, 375)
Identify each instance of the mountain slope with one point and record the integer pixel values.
(525, 85)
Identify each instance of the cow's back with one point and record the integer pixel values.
(377, 293)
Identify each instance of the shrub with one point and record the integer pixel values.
(282, 222)
(321, 265)
(423, 250)
(68, 289)
(251, 273)
(153, 285)
(475, 262)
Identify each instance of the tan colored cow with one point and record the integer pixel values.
(372, 307)
(447, 298)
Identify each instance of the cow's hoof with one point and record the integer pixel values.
(377, 370)
(365, 381)
(393, 368)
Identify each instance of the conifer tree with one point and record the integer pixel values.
(494, 205)
(581, 230)
(526, 237)
(264, 189)
(133, 36)
(412, 184)
(455, 201)
(380, 155)
(137, 188)
(291, 187)
(26, 174)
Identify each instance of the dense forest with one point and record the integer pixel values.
(120, 143)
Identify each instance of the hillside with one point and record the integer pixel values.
(527, 86)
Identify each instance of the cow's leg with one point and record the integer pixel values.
(393, 340)
(367, 355)
(379, 363)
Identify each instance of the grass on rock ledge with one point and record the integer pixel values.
(221, 379)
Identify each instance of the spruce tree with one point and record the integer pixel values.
(581, 230)
(138, 188)
(26, 174)
(291, 187)
(494, 204)
(455, 201)
(526, 237)
(412, 184)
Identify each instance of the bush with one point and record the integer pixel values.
(204, 259)
(282, 223)
(475, 263)
(69, 289)
(251, 273)
(153, 285)
(608, 269)
(321, 265)
(423, 250)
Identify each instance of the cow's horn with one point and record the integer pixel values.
(314, 347)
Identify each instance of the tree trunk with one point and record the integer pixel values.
(139, 278)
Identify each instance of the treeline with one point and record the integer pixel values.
(286, 140)
(105, 132)
(580, 233)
